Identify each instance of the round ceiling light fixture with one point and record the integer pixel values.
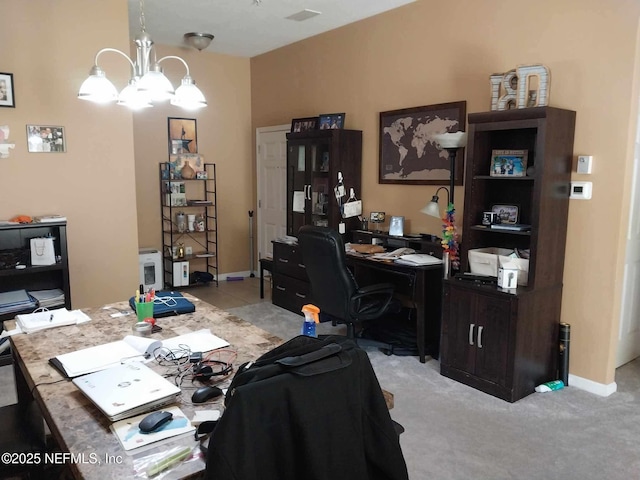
(198, 40)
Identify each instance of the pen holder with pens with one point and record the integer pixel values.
(144, 310)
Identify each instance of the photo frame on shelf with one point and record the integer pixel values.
(177, 162)
(183, 137)
(408, 153)
(46, 139)
(396, 226)
(7, 94)
(304, 124)
(507, 214)
(508, 163)
(331, 121)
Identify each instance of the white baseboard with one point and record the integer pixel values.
(593, 387)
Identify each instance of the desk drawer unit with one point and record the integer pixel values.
(290, 282)
(289, 293)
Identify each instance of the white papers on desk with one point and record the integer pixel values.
(397, 253)
(60, 317)
(101, 357)
(131, 348)
(128, 432)
(418, 259)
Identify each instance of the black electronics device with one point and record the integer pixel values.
(482, 279)
(203, 394)
(154, 421)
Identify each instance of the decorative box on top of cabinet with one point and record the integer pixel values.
(505, 342)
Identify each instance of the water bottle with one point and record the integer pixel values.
(550, 386)
(310, 319)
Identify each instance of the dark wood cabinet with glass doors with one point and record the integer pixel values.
(314, 160)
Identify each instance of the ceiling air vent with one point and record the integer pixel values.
(303, 15)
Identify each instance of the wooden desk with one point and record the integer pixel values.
(421, 285)
(80, 428)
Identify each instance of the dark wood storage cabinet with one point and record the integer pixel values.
(505, 342)
(314, 159)
(290, 282)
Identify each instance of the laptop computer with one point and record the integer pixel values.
(127, 390)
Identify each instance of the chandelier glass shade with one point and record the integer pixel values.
(148, 84)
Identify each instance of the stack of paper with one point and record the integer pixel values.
(48, 298)
(34, 322)
(16, 301)
(130, 437)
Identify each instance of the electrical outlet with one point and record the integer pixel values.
(188, 250)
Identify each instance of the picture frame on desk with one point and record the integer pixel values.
(409, 155)
(396, 226)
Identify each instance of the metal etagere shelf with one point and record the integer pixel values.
(190, 249)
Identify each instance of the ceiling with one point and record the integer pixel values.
(246, 28)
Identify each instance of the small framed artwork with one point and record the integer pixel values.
(508, 163)
(45, 139)
(376, 217)
(396, 226)
(304, 124)
(7, 95)
(330, 121)
(505, 213)
(183, 137)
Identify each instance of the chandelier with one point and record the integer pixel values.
(148, 85)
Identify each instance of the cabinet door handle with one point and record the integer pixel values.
(282, 289)
(471, 333)
(480, 337)
(301, 265)
(300, 295)
(283, 260)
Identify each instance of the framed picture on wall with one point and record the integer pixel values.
(46, 139)
(409, 154)
(183, 136)
(7, 95)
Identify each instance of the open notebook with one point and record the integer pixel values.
(96, 358)
(126, 390)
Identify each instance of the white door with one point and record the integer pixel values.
(271, 145)
(629, 334)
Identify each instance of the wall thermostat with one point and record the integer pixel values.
(581, 190)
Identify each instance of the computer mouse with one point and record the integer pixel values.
(154, 421)
(205, 393)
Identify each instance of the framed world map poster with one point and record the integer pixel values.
(408, 153)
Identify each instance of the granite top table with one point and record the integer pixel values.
(77, 426)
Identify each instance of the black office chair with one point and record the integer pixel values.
(334, 290)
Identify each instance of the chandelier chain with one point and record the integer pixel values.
(142, 25)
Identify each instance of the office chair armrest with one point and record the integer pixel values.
(371, 301)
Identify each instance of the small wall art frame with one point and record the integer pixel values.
(408, 152)
(46, 139)
(304, 124)
(7, 93)
(329, 121)
(183, 135)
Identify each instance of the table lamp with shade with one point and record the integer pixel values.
(450, 142)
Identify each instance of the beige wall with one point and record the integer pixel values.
(93, 183)
(224, 138)
(432, 52)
